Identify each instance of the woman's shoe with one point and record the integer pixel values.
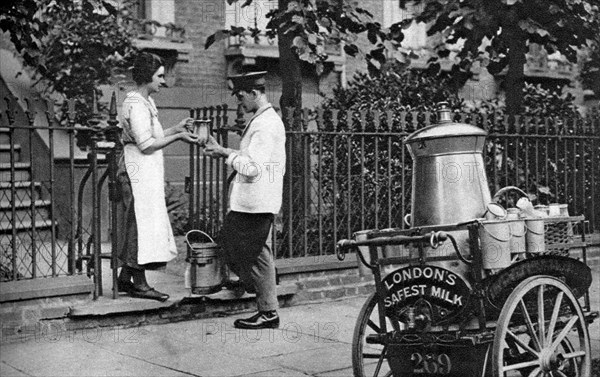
(149, 293)
(125, 286)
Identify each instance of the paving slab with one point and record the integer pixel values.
(9, 371)
(214, 363)
(334, 321)
(77, 358)
(334, 357)
(313, 340)
(254, 344)
(279, 373)
(142, 343)
(346, 372)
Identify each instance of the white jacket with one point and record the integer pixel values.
(260, 165)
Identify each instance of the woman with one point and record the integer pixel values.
(146, 238)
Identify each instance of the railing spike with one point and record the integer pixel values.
(71, 112)
(10, 112)
(94, 104)
(28, 112)
(112, 110)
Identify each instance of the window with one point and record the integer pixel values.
(253, 15)
(161, 11)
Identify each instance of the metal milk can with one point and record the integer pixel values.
(449, 183)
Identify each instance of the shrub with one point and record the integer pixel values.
(360, 173)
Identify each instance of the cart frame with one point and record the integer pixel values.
(479, 327)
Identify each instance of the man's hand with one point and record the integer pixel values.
(213, 149)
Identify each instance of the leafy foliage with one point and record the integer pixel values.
(73, 46)
(363, 165)
(396, 89)
(497, 32)
(540, 102)
(360, 171)
(317, 24)
(590, 75)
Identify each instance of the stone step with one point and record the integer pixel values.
(4, 135)
(22, 190)
(5, 153)
(23, 227)
(23, 209)
(22, 171)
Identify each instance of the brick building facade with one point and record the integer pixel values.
(197, 76)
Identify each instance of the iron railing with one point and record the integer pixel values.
(346, 172)
(46, 230)
(349, 171)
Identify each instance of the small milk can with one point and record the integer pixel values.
(517, 233)
(535, 240)
(494, 236)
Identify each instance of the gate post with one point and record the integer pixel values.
(113, 134)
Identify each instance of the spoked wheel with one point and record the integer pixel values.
(541, 332)
(369, 360)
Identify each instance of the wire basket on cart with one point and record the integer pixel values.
(560, 234)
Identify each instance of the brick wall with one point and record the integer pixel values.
(334, 284)
(205, 68)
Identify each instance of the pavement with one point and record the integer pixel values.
(314, 339)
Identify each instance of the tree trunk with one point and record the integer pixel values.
(290, 72)
(517, 49)
(291, 99)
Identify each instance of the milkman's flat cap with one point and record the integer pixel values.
(247, 81)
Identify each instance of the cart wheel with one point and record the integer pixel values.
(367, 359)
(542, 332)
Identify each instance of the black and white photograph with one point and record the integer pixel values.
(300, 188)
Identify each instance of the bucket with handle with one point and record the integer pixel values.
(208, 270)
(494, 236)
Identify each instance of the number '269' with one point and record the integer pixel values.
(431, 363)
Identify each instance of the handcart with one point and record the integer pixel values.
(427, 318)
(471, 289)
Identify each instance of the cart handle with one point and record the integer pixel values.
(434, 239)
(457, 250)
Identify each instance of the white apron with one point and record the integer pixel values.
(146, 173)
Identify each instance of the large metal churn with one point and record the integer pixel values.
(449, 180)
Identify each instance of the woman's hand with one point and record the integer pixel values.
(186, 125)
(188, 137)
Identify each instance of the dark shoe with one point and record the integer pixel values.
(125, 286)
(149, 293)
(261, 320)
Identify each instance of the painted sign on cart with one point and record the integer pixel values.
(445, 291)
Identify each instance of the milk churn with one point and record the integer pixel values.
(449, 180)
